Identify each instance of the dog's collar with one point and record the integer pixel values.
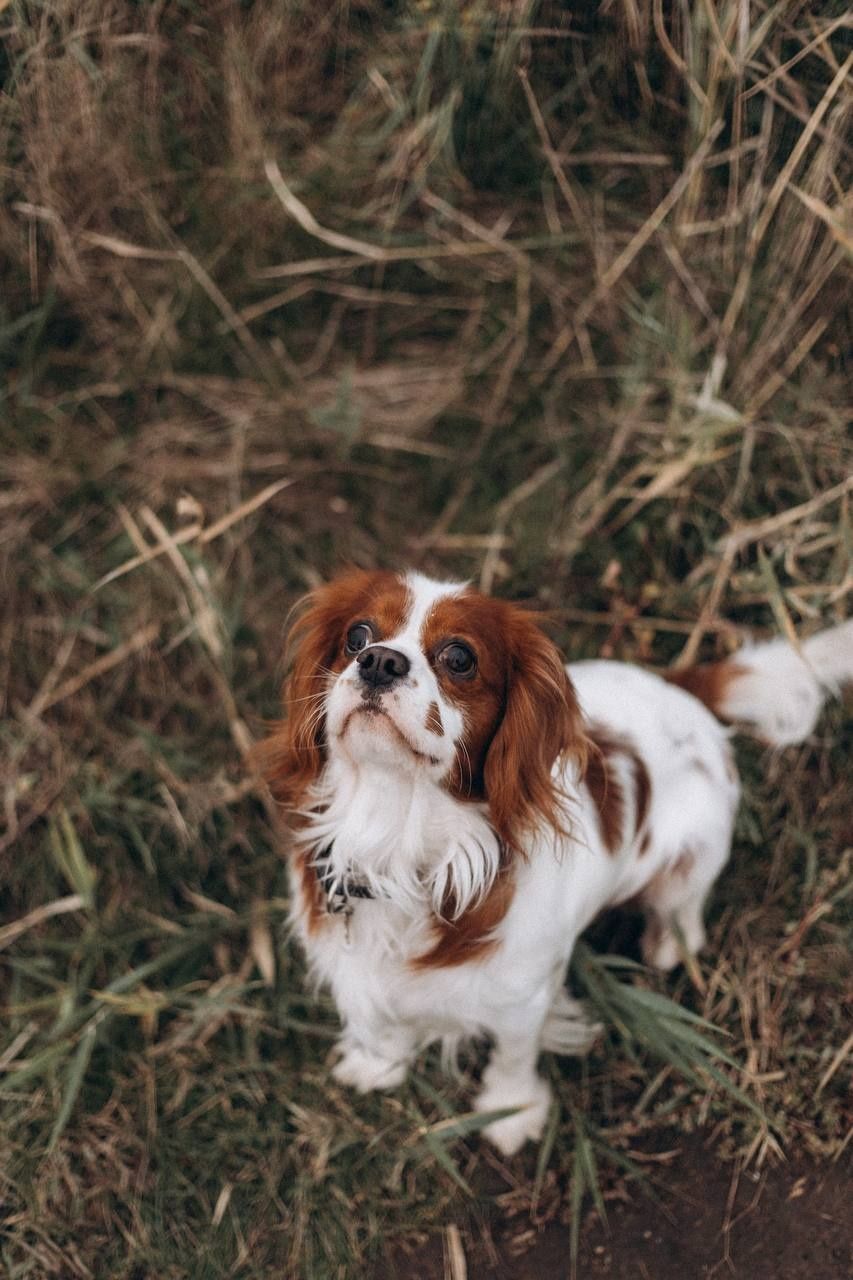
(339, 890)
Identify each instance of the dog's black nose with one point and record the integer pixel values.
(380, 667)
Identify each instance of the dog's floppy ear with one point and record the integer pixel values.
(540, 724)
(293, 755)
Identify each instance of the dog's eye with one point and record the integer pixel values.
(458, 659)
(359, 637)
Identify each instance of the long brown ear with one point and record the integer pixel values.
(541, 722)
(293, 756)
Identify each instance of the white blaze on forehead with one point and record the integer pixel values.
(425, 594)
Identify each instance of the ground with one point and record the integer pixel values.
(790, 1221)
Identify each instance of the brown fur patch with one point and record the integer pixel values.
(433, 720)
(520, 712)
(472, 619)
(642, 788)
(607, 791)
(604, 787)
(709, 682)
(471, 936)
(645, 843)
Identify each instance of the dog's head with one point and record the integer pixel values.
(406, 675)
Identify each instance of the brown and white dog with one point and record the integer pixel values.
(464, 805)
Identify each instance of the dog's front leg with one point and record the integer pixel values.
(511, 1078)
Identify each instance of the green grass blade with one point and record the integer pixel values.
(546, 1149)
(75, 1076)
(438, 1150)
(669, 1009)
(587, 1156)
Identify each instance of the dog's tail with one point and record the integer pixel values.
(773, 689)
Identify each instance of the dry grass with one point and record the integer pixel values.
(560, 304)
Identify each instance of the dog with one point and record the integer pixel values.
(463, 805)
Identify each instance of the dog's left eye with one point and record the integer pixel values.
(458, 659)
(359, 637)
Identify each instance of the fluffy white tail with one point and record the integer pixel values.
(774, 689)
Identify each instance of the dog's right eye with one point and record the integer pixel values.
(359, 637)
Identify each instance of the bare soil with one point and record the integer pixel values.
(792, 1221)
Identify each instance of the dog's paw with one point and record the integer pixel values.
(363, 1070)
(510, 1134)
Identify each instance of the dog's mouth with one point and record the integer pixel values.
(372, 708)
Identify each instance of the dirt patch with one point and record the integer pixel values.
(789, 1222)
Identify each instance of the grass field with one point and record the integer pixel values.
(553, 298)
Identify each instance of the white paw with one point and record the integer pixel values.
(364, 1070)
(510, 1134)
(567, 1028)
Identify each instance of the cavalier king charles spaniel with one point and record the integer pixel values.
(463, 805)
